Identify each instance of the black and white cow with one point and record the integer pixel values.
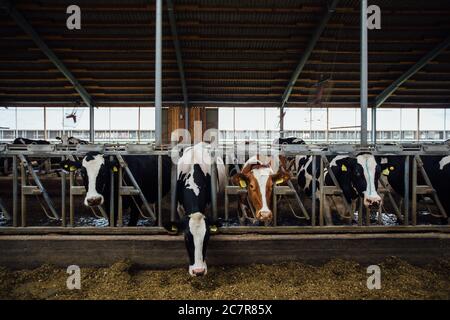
(96, 171)
(357, 176)
(288, 140)
(29, 141)
(194, 196)
(436, 167)
(71, 140)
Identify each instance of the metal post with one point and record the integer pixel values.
(363, 71)
(414, 192)
(173, 194)
(91, 125)
(214, 185)
(23, 200)
(15, 191)
(160, 182)
(158, 74)
(119, 200)
(406, 191)
(111, 201)
(374, 125)
(63, 196)
(418, 125)
(71, 199)
(321, 192)
(313, 192)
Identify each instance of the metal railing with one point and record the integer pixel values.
(21, 153)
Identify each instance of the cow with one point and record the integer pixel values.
(357, 176)
(96, 170)
(259, 175)
(71, 140)
(193, 198)
(436, 167)
(29, 141)
(288, 140)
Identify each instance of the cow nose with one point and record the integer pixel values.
(264, 215)
(198, 272)
(372, 202)
(94, 201)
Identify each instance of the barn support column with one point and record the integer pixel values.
(158, 74)
(363, 73)
(374, 125)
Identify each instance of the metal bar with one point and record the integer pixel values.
(299, 201)
(111, 199)
(321, 192)
(176, 44)
(364, 73)
(374, 125)
(92, 125)
(414, 192)
(38, 182)
(383, 96)
(63, 196)
(71, 200)
(275, 207)
(160, 182)
(406, 191)
(158, 74)
(428, 183)
(15, 191)
(310, 47)
(360, 212)
(23, 200)
(119, 200)
(23, 23)
(313, 191)
(173, 192)
(214, 186)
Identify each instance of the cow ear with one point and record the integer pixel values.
(70, 166)
(113, 164)
(240, 179)
(386, 169)
(280, 177)
(173, 227)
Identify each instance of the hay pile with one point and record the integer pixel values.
(336, 279)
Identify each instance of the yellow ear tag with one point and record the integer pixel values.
(385, 172)
(279, 181)
(213, 228)
(391, 168)
(115, 169)
(343, 168)
(174, 228)
(243, 183)
(73, 168)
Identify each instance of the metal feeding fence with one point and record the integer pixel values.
(27, 182)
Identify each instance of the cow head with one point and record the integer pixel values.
(95, 169)
(196, 229)
(259, 180)
(363, 173)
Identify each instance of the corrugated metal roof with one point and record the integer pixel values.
(233, 50)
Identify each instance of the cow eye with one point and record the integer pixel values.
(252, 186)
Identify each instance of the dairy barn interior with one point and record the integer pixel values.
(238, 75)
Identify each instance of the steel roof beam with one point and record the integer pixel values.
(23, 23)
(383, 96)
(311, 44)
(176, 44)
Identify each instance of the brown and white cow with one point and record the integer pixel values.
(258, 176)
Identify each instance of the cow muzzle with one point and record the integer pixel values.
(94, 201)
(372, 202)
(264, 215)
(198, 271)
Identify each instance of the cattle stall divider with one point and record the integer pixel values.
(20, 154)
